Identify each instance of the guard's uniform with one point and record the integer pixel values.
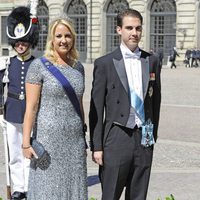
(23, 33)
(14, 109)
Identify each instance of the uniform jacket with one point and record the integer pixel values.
(110, 102)
(14, 109)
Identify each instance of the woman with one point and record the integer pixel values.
(59, 127)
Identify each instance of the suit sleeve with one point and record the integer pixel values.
(97, 105)
(156, 98)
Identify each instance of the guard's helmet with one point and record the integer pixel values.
(22, 26)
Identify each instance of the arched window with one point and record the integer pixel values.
(114, 7)
(43, 17)
(162, 28)
(77, 11)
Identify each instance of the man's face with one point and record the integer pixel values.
(21, 47)
(131, 32)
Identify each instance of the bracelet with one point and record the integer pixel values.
(26, 147)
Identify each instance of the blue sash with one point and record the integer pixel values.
(65, 84)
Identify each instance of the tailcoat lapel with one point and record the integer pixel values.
(145, 73)
(121, 71)
(120, 68)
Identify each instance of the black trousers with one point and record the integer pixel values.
(173, 64)
(126, 164)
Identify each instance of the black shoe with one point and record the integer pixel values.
(17, 195)
(25, 193)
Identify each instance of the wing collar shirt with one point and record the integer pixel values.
(134, 73)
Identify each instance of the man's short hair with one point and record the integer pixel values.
(128, 12)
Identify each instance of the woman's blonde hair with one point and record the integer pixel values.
(49, 52)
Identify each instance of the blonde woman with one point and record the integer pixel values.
(59, 127)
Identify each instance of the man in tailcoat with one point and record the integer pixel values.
(125, 97)
(173, 54)
(22, 31)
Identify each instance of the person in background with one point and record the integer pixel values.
(152, 51)
(50, 112)
(194, 57)
(172, 58)
(125, 99)
(187, 58)
(161, 56)
(198, 57)
(22, 31)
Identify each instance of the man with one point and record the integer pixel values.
(194, 58)
(117, 145)
(187, 58)
(22, 31)
(172, 58)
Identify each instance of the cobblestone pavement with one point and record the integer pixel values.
(176, 163)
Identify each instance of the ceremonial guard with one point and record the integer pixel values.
(22, 32)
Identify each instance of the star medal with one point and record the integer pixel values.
(147, 134)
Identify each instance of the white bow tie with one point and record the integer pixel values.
(135, 55)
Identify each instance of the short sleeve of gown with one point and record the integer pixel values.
(34, 73)
(81, 69)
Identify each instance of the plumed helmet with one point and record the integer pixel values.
(22, 26)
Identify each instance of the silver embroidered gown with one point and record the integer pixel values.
(59, 129)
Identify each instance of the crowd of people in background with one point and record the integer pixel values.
(192, 58)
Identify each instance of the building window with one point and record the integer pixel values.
(77, 11)
(4, 39)
(43, 17)
(162, 31)
(112, 38)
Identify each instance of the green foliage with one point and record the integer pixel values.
(92, 198)
(1, 198)
(171, 197)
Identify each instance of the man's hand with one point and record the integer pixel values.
(2, 121)
(97, 157)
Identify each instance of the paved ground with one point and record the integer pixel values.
(176, 164)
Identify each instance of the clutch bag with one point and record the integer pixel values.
(44, 159)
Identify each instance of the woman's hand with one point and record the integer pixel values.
(29, 153)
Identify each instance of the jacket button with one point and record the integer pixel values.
(121, 115)
(118, 101)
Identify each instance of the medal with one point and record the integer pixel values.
(147, 134)
(150, 91)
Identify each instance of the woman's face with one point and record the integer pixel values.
(63, 40)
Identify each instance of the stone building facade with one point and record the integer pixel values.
(167, 23)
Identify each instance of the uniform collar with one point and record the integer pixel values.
(24, 58)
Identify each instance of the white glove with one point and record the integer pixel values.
(2, 122)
